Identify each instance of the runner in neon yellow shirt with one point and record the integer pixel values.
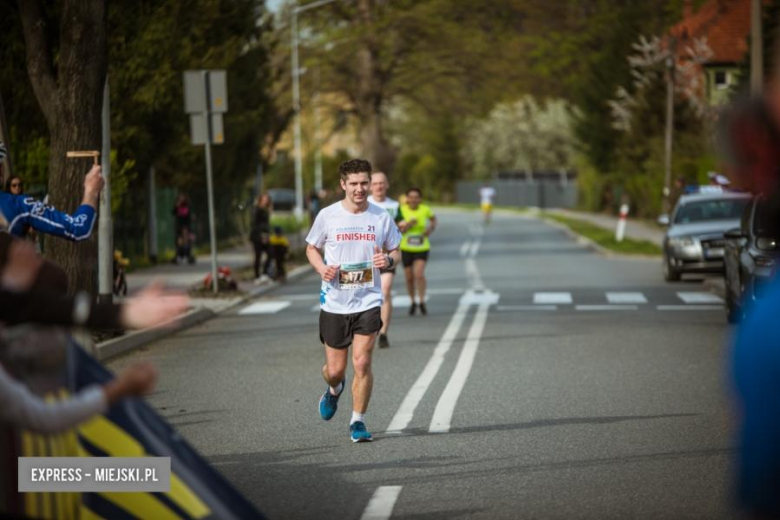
(417, 224)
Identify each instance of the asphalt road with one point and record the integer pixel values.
(547, 382)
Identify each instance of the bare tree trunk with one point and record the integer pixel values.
(369, 97)
(70, 93)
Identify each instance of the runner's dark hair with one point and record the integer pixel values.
(418, 190)
(354, 166)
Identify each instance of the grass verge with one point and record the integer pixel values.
(605, 237)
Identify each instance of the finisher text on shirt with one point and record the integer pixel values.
(343, 237)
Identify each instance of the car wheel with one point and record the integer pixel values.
(670, 273)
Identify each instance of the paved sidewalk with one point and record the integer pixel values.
(636, 230)
(185, 276)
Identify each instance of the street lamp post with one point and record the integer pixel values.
(297, 103)
(668, 134)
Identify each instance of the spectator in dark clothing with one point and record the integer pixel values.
(315, 204)
(260, 235)
(280, 249)
(183, 218)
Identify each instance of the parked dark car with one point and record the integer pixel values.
(752, 254)
(283, 199)
(694, 241)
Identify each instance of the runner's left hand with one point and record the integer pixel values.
(380, 259)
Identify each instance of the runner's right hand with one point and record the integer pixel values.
(328, 272)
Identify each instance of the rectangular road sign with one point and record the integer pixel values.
(218, 91)
(194, 92)
(199, 131)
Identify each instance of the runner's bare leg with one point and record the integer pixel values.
(335, 365)
(419, 278)
(387, 300)
(409, 282)
(363, 383)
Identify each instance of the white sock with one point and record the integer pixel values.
(336, 389)
(357, 417)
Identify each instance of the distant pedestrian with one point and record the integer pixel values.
(260, 235)
(183, 219)
(315, 204)
(279, 251)
(486, 195)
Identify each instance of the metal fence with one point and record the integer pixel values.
(540, 191)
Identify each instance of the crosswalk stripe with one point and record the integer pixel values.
(562, 298)
(403, 300)
(626, 297)
(699, 297)
(271, 307)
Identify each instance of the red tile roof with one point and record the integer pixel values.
(725, 24)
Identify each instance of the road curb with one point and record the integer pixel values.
(129, 342)
(582, 240)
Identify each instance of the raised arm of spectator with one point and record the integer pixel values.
(20, 210)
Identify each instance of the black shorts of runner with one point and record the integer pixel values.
(337, 330)
(408, 258)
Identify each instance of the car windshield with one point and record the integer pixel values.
(765, 222)
(717, 209)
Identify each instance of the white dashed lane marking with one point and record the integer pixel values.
(552, 298)
(265, 307)
(626, 297)
(699, 297)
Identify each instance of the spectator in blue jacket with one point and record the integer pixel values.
(18, 212)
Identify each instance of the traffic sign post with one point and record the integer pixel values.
(205, 100)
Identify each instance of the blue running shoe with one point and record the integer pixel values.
(329, 403)
(357, 431)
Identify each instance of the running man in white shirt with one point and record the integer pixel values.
(345, 247)
(379, 187)
(486, 194)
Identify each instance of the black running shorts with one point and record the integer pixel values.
(337, 330)
(408, 258)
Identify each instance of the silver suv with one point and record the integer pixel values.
(694, 241)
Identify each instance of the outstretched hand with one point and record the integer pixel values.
(153, 306)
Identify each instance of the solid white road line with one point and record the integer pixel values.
(626, 297)
(699, 297)
(442, 415)
(472, 271)
(475, 248)
(560, 298)
(381, 505)
(405, 412)
(689, 308)
(465, 248)
(606, 307)
(271, 307)
(505, 308)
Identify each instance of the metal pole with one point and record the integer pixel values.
(152, 216)
(669, 130)
(297, 110)
(105, 240)
(318, 137)
(756, 49)
(210, 186)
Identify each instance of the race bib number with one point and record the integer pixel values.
(416, 240)
(356, 276)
